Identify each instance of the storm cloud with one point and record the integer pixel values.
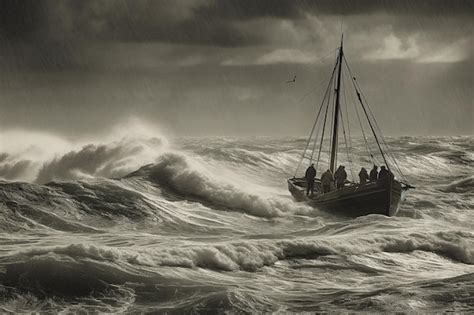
(178, 59)
(61, 33)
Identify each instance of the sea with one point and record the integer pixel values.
(154, 224)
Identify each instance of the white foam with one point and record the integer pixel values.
(30, 155)
(188, 177)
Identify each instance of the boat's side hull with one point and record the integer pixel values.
(381, 197)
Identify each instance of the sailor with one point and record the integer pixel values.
(340, 176)
(326, 180)
(384, 173)
(363, 175)
(374, 174)
(310, 175)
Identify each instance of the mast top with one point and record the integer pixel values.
(334, 144)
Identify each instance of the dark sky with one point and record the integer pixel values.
(219, 67)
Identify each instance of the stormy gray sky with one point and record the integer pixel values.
(213, 67)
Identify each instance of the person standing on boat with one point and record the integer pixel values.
(384, 173)
(326, 180)
(363, 176)
(310, 175)
(340, 176)
(374, 174)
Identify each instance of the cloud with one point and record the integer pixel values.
(54, 21)
(414, 49)
(85, 35)
(293, 9)
(277, 56)
(452, 53)
(394, 48)
(210, 22)
(286, 56)
(250, 9)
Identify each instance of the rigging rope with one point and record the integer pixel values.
(314, 143)
(371, 156)
(317, 130)
(319, 84)
(350, 156)
(315, 122)
(324, 128)
(347, 148)
(373, 131)
(307, 143)
(383, 141)
(367, 115)
(367, 147)
(330, 87)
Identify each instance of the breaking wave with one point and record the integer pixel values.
(88, 268)
(111, 160)
(37, 157)
(189, 179)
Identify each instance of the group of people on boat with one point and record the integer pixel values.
(374, 175)
(340, 177)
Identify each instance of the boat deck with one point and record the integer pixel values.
(380, 197)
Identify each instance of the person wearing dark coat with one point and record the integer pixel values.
(340, 176)
(384, 173)
(326, 180)
(310, 175)
(363, 176)
(374, 174)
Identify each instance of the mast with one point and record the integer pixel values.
(336, 111)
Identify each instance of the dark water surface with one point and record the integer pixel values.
(208, 225)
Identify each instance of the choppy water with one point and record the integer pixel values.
(207, 224)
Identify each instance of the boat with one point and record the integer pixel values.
(381, 196)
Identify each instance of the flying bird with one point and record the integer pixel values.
(292, 81)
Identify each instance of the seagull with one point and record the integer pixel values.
(292, 81)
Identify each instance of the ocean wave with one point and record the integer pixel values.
(115, 159)
(85, 270)
(430, 146)
(187, 178)
(33, 156)
(25, 206)
(445, 295)
(71, 277)
(252, 255)
(448, 244)
(107, 198)
(459, 186)
(455, 157)
(16, 217)
(59, 275)
(257, 156)
(10, 168)
(75, 206)
(455, 245)
(211, 225)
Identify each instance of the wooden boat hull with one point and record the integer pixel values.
(381, 197)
